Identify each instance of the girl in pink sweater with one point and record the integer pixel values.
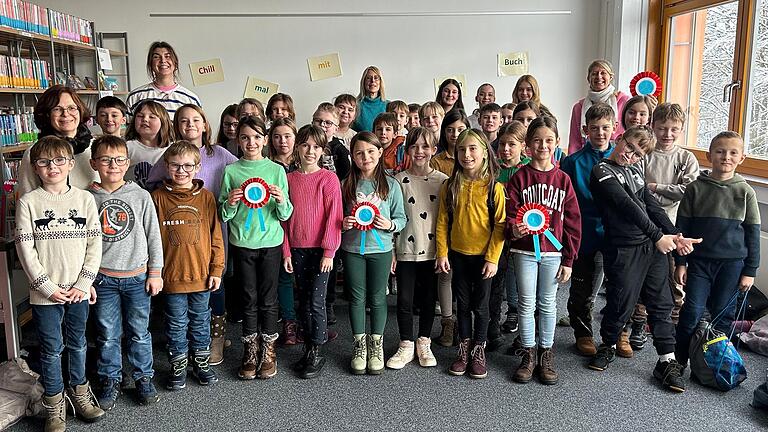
(312, 236)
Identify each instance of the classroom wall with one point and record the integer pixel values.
(411, 51)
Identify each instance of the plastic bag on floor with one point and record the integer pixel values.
(20, 392)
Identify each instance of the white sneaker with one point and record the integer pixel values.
(402, 357)
(424, 352)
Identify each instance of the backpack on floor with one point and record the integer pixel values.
(714, 360)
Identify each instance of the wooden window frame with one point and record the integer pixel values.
(660, 13)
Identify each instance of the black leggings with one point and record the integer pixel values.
(471, 292)
(416, 285)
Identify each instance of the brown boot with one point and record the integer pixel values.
(446, 335)
(268, 357)
(459, 367)
(477, 367)
(84, 401)
(623, 349)
(251, 357)
(56, 410)
(547, 374)
(586, 346)
(524, 372)
(218, 330)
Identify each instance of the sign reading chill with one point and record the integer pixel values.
(206, 72)
(513, 64)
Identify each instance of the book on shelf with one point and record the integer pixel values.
(71, 28)
(25, 16)
(17, 72)
(15, 128)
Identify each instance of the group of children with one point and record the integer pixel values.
(456, 213)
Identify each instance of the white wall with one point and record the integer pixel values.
(411, 51)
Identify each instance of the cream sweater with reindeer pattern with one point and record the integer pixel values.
(58, 240)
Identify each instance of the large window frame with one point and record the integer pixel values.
(660, 14)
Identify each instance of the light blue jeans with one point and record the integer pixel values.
(537, 287)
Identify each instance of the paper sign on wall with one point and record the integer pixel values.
(206, 72)
(513, 63)
(105, 60)
(259, 89)
(324, 67)
(458, 77)
(105, 93)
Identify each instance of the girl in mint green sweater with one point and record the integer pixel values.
(254, 200)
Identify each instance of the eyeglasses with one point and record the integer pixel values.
(323, 123)
(232, 125)
(107, 161)
(188, 168)
(633, 151)
(59, 110)
(59, 161)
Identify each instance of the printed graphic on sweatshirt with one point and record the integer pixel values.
(141, 173)
(46, 223)
(548, 195)
(117, 220)
(183, 224)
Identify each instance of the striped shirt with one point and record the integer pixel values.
(170, 100)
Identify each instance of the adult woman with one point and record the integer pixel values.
(371, 100)
(60, 112)
(163, 68)
(599, 77)
(449, 95)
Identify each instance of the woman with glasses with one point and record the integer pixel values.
(370, 101)
(60, 112)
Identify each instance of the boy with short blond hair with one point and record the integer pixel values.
(193, 248)
(59, 245)
(130, 272)
(721, 208)
(431, 116)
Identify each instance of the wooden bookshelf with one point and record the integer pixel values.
(15, 148)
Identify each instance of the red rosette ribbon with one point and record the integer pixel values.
(535, 217)
(364, 212)
(645, 84)
(255, 192)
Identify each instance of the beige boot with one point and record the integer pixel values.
(376, 354)
(623, 349)
(359, 354)
(85, 403)
(56, 410)
(218, 330)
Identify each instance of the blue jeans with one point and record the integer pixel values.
(187, 315)
(537, 286)
(53, 339)
(122, 308)
(510, 282)
(710, 286)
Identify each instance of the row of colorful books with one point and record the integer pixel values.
(26, 16)
(20, 72)
(17, 128)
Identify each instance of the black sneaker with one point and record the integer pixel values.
(146, 391)
(201, 370)
(330, 314)
(638, 338)
(605, 355)
(670, 374)
(511, 324)
(178, 378)
(110, 390)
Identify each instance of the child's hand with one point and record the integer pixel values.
(92, 299)
(666, 243)
(685, 244)
(347, 223)
(745, 283)
(393, 267)
(681, 275)
(214, 283)
(326, 265)
(154, 285)
(288, 264)
(442, 265)
(276, 193)
(489, 270)
(652, 187)
(383, 223)
(520, 230)
(60, 296)
(235, 195)
(563, 274)
(76, 296)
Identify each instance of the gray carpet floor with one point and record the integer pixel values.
(625, 397)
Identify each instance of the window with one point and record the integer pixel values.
(713, 59)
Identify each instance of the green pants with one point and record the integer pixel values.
(367, 277)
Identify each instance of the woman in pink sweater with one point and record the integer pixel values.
(600, 78)
(312, 236)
